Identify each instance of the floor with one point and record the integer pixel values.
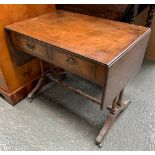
(61, 120)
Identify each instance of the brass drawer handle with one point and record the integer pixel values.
(30, 45)
(71, 61)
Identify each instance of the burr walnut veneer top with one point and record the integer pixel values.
(95, 38)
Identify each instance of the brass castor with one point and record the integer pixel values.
(99, 143)
(29, 99)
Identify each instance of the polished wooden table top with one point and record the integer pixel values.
(96, 38)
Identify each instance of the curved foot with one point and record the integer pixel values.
(112, 115)
(42, 81)
(29, 99)
(99, 142)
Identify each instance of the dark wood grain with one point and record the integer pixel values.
(114, 12)
(118, 12)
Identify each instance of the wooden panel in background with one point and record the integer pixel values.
(150, 53)
(113, 12)
(2, 80)
(17, 77)
(140, 20)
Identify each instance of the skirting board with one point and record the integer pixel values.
(16, 96)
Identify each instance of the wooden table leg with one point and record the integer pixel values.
(55, 72)
(42, 81)
(117, 107)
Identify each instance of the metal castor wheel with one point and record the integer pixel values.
(99, 143)
(29, 100)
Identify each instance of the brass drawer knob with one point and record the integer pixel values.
(30, 45)
(71, 61)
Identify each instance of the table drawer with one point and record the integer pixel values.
(29, 45)
(77, 65)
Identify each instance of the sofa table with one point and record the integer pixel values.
(106, 52)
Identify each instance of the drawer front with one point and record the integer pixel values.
(77, 65)
(73, 63)
(29, 45)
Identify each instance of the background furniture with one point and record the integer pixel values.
(16, 82)
(119, 12)
(140, 20)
